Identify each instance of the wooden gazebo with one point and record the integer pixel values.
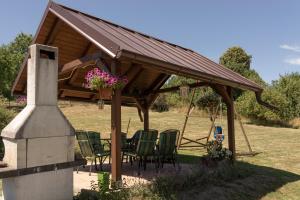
(85, 41)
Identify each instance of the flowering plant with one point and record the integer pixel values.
(216, 151)
(97, 79)
(21, 99)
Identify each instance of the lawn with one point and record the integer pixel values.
(275, 171)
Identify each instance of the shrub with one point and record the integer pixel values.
(247, 106)
(216, 151)
(160, 105)
(5, 117)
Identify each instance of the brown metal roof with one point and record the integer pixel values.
(78, 34)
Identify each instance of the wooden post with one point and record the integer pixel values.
(186, 119)
(230, 123)
(115, 133)
(146, 118)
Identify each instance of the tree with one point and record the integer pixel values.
(289, 86)
(11, 57)
(236, 59)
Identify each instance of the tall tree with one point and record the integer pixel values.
(11, 57)
(236, 59)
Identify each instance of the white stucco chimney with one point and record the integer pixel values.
(39, 135)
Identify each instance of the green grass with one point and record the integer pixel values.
(275, 172)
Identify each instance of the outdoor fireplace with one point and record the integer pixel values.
(40, 135)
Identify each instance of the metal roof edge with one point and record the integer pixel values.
(58, 10)
(183, 70)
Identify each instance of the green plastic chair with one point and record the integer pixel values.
(100, 147)
(166, 148)
(145, 148)
(85, 147)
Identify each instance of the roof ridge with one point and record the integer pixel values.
(117, 25)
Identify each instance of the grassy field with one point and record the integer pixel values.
(275, 171)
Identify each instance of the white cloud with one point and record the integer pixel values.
(293, 61)
(294, 48)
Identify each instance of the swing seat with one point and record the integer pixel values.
(218, 133)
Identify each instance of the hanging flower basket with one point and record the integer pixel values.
(104, 83)
(184, 90)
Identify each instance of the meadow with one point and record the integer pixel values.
(272, 174)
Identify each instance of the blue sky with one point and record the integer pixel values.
(268, 30)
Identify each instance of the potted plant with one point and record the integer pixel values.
(104, 83)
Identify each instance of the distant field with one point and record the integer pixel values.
(277, 166)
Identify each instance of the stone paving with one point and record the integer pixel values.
(82, 179)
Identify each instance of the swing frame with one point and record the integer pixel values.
(184, 143)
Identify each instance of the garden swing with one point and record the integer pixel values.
(185, 143)
(217, 128)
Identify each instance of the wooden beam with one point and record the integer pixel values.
(132, 75)
(77, 89)
(221, 90)
(80, 62)
(230, 123)
(154, 86)
(140, 114)
(140, 104)
(175, 88)
(54, 31)
(87, 48)
(159, 83)
(146, 119)
(143, 106)
(63, 87)
(116, 131)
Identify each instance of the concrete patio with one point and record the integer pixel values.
(130, 177)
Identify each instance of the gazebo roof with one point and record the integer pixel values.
(147, 61)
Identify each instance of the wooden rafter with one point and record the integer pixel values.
(221, 90)
(175, 88)
(80, 62)
(132, 74)
(160, 78)
(54, 31)
(157, 84)
(87, 48)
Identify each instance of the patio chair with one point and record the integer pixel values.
(129, 144)
(85, 147)
(125, 146)
(133, 141)
(166, 148)
(145, 148)
(100, 147)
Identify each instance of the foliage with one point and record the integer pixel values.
(21, 100)
(173, 98)
(283, 93)
(216, 151)
(248, 106)
(97, 79)
(236, 59)
(103, 181)
(209, 100)
(101, 190)
(5, 117)
(289, 87)
(11, 57)
(160, 104)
